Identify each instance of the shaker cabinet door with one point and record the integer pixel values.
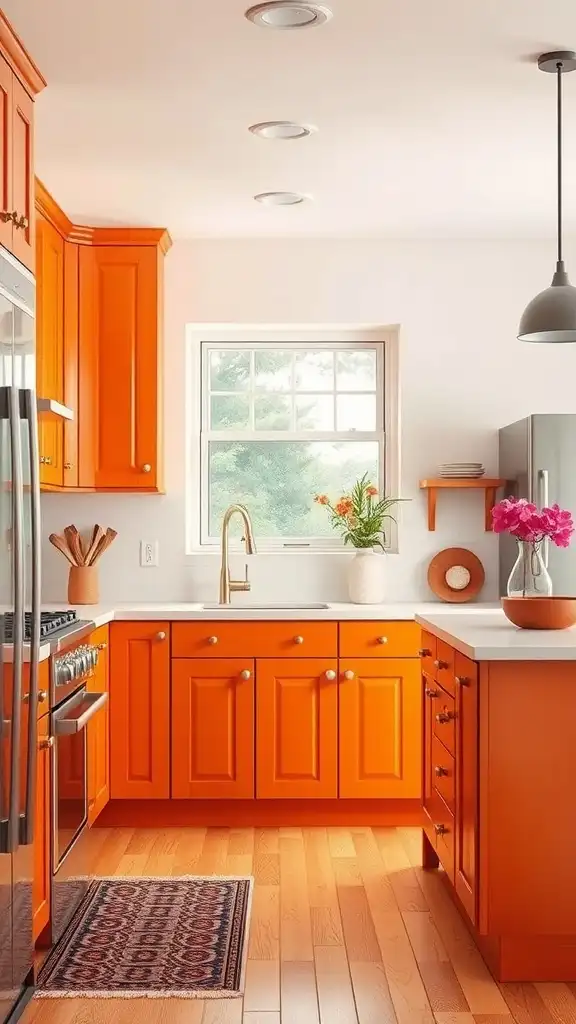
(50, 347)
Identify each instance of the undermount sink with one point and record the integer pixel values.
(263, 607)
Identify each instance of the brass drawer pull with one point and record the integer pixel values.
(382, 639)
(441, 830)
(330, 674)
(445, 716)
(212, 640)
(441, 664)
(439, 771)
(46, 744)
(46, 460)
(431, 693)
(463, 680)
(42, 696)
(245, 674)
(424, 653)
(146, 468)
(298, 639)
(5, 216)
(348, 674)
(161, 635)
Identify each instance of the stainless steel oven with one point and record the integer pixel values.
(73, 705)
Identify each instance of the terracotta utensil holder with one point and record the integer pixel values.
(83, 585)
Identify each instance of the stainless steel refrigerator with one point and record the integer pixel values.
(537, 458)
(19, 601)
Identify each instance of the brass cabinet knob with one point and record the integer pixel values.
(444, 716)
(440, 664)
(330, 674)
(102, 647)
(440, 830)
(431, 693)
(348, 674)
(42, 696)
(298, 639)
(424, 652)
(46, 460)
(245, 674)
(5, 216)
(439, 770)
(67, 465)
(161, 635)
(47, 743)
(146, 468)
(212, 639)
(20, 222)
(463, 680)
(382, 639)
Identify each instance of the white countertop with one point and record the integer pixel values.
(487, 635)
(100, 614)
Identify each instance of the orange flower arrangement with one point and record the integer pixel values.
(359, 516)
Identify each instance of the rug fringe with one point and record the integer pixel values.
(162, 994)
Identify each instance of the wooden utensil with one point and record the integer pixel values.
(73, 537)
(103, 544)
(60, 543)
(97, 535)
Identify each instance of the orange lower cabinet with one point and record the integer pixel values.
(99, 733)
(41, 883)
(297, 728)
(213, 728)
(140, 710)
(380, 728)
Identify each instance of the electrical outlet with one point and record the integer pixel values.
(148, 553)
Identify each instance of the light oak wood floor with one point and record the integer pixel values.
(346, 929)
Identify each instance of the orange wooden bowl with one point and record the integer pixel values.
(540, 612)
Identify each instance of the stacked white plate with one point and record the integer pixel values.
(461, 470)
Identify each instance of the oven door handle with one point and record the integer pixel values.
(62, 725)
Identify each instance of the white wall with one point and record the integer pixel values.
(463, 374)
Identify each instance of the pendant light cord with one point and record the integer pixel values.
(559, 67)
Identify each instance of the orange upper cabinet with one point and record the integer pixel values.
(20, 81)
(297, 728)
(50, 346)
(213, 728)
(140, 710)
(380, 728)
(120, 288)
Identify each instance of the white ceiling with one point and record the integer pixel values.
(433, 117)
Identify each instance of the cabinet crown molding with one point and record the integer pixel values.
(20, 61)
(82, 234)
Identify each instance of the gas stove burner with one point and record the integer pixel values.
(50, 622)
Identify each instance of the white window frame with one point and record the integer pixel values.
(222, 336)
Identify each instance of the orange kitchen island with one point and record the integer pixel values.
(499, 786)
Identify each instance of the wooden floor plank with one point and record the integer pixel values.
(442, 987)
(262, 990)
(411, 1003)
(424, 937)
(188, 850)
(335, 995)
(298, 995)
(341, 843)
(403, 879)
(526, 1004)
(371, 994)
(240, 857)
(218, 1011)
(261, 1018)
(372, 871)
(212, 860)
(558, 1000)
(265, 923)
(295, 922)
(322, 894)
(359, 934)
(454, 1018)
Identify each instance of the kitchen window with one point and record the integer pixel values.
(276, 417)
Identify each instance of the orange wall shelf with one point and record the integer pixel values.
(488, 484)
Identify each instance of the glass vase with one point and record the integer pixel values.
(529, 576)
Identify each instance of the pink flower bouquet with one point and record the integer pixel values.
(524, 520)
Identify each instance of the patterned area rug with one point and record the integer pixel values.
(159, 937)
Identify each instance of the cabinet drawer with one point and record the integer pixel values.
(465, 670)
(444, 665)
(444, 830)
(428, 644)
(379, 639)
(443, 772)
(444, 715)
(254, 639)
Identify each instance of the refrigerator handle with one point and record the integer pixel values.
(27, 822)
(544, 502)
(18, 635)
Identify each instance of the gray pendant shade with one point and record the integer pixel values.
(551, 316)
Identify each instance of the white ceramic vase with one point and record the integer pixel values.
(366, 577)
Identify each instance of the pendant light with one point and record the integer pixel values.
(551, 316)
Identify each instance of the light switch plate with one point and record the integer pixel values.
(148, 553)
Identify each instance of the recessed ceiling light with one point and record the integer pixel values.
(282, 130)
(288, 14)
(280, 198)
